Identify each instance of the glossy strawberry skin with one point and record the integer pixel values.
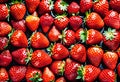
(118, 51)
(118, 70)
(115, 5)
(3, 12)
(61, 79)
(3, 43)
(3, 75)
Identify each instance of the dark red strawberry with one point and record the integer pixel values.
(118, 51)
(5, 58)
(78, 53)
(3, 1)
(3, 75)
(39, 40)
(115, 5)
(3, 43)
(118, 69)
(17, 73)
(107, 75)
(61, 79)
(46, 21)
(40, 59)
(75, 22)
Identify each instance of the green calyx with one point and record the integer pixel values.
(29, 55)
(49, 49)
(63, 35)
(16, 1)
(95, 1)
(80, 73)
(83, 35)
(63, 5)
(51, 3)
(61, 69)
(60, 16)
(36, 78)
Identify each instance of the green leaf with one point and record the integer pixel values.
(83, 36)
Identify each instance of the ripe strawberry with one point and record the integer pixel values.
(95, 55)
(54, 34)
(71, 68)
(3, 43)
(88, 73)
(19, 39)
(33, 75)
(107, 75)
(45, 6)
(118, 52)
(112, 19)
(32, 22)
(75, 22)
(58, 51)
(3, 1)
(61, 79)
(60, 6)
(78, 53)
(101, 7)
(48, 76)
(79, 34)
(5, 58)
(111, 39)
(3, 12)
(46, 21)
(110, 59)
(85, 5)
(73, 8)
(17, 73)
(19, 25)
(32, 5)
(39, 40)
(94, 21)
(118, 70)
(5, 28)
(115, 5)
(3, 75)
(40, 59)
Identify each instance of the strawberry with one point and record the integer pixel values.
(32, 5)
(32, 22)
(73, 8)
(3, 43)
(71, 68)
(19, 39)
(111, 38)
(58, 51)
(45, 6)
(88, 73)
(3, 75)
(61, 79)
(107, 75)
(19, 25)
(33, 75)
(57, 67)
(3, 12)
(110, 59)
(95, 55)
(78, 53)
(60, 6)
(46, 21)
(75, 22)
(94, 21)
(39, 40)
(5, 28)
(54, 34)
(40, 59)
(48, 76)
(79, 34)
(118, 51)
(118, 70)
(115, 5)
(112, 19)
(3, 1)
(17, 73)
(5, 58)
(101, 7)
(85, 5)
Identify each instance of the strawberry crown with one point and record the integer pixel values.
(36, 78)
(61, 69)
(83, 35)
(49, 49)
(16, 1)
(63, 35)
(29, 54)
(51, 3)
(63, 5)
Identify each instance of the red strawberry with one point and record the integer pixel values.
(45, 6)
(61, 79)
(78, 53)
(118, 70)
(75, 22)
(60, 6)
(115, 5)
(17, 73)
(32, 5)
(5, 28)
(53, 34)
(118, 52)
(3, 12)
(19, 25)
(39, 40)
(79, 34)
(3, 43)
(46, 21)
(71, 68)
(95, 55)
(107, 75)
(94, 21)
(40, 59)
(111, 39)
(32, 22)
(73, 8)
(101, 7)
(48, 76)
(110, 59)
(3, 1)
(19, 39)
(85, 5)
(112, 19)
(5, 58)
(3, 75)
(33, 74)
